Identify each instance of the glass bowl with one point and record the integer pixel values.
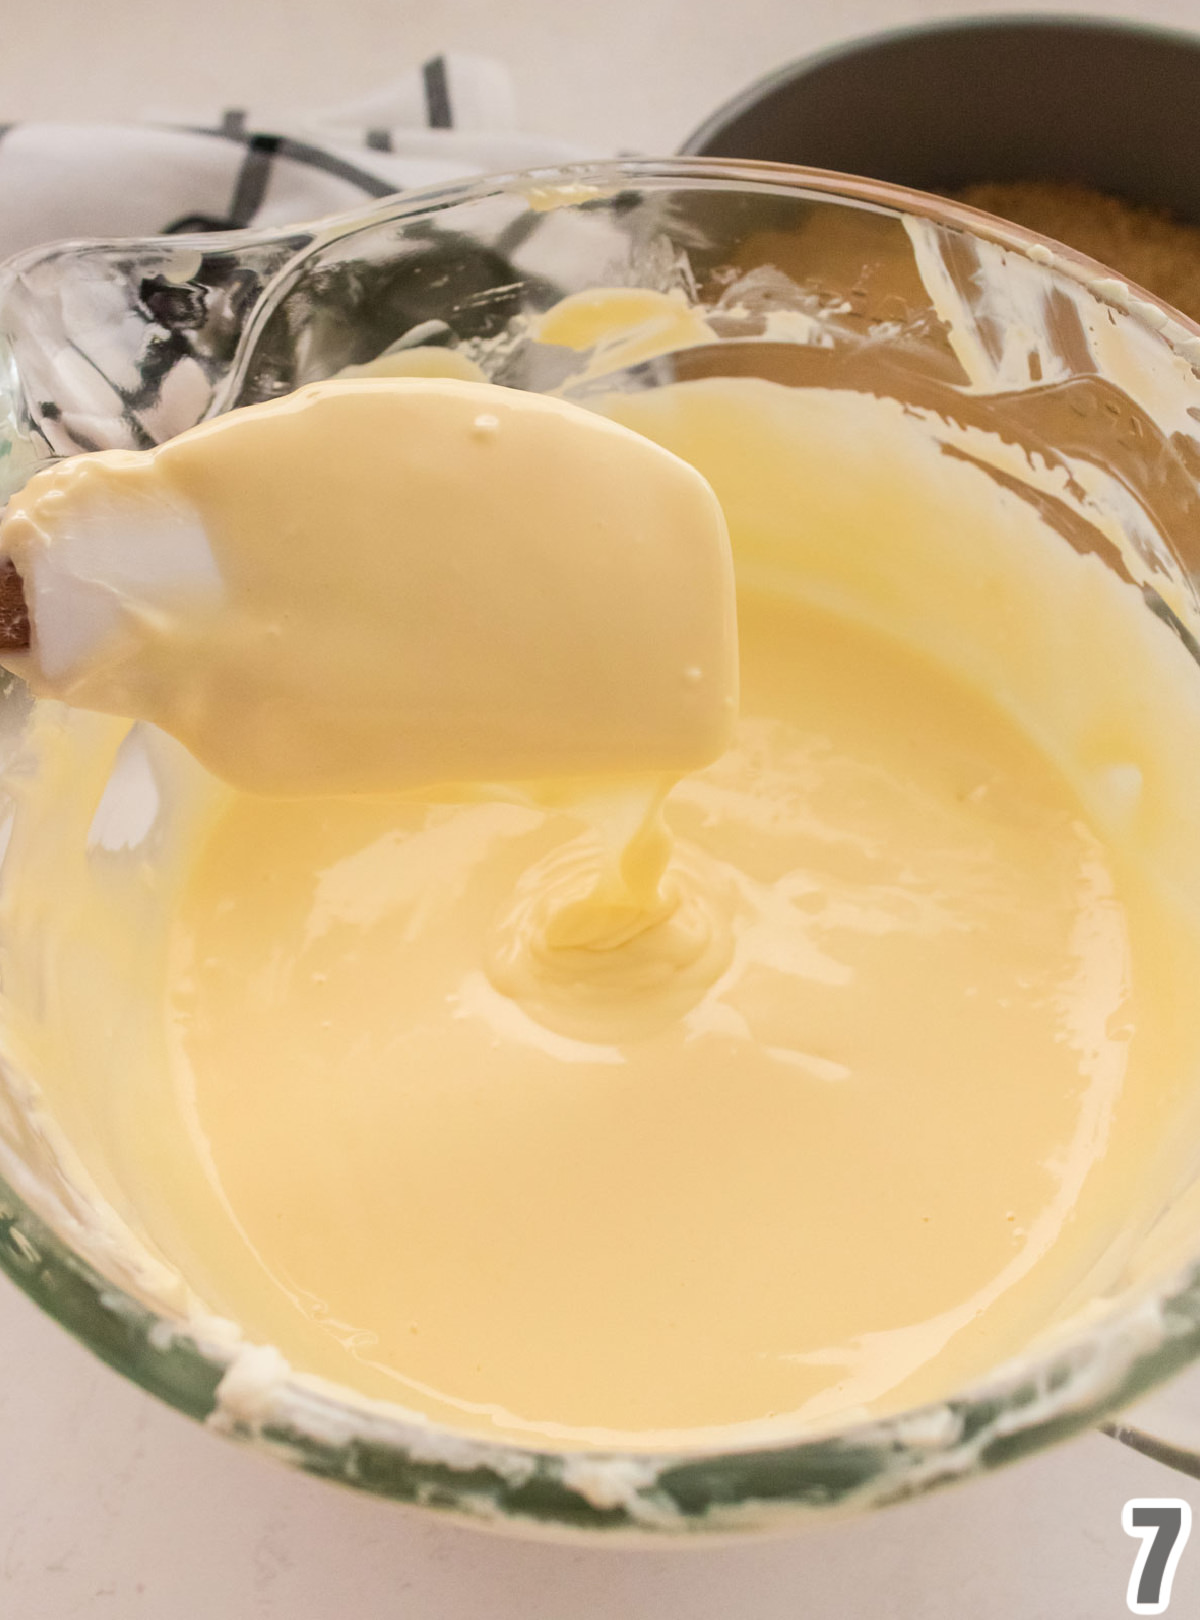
(808, 279)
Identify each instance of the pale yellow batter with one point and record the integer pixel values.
(839, 1171)
(878, 1082)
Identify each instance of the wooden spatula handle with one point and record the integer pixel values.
(14, 610)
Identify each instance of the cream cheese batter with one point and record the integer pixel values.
(876, 1077)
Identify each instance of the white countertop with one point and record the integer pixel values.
(633, 75)
(113, 1506)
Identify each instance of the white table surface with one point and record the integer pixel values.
(611, 74)
(113, 1507)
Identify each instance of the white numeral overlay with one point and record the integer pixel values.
(1162, 1524)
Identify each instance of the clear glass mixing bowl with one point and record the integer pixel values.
(809, 279)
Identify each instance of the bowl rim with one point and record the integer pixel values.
(1020, 1406)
